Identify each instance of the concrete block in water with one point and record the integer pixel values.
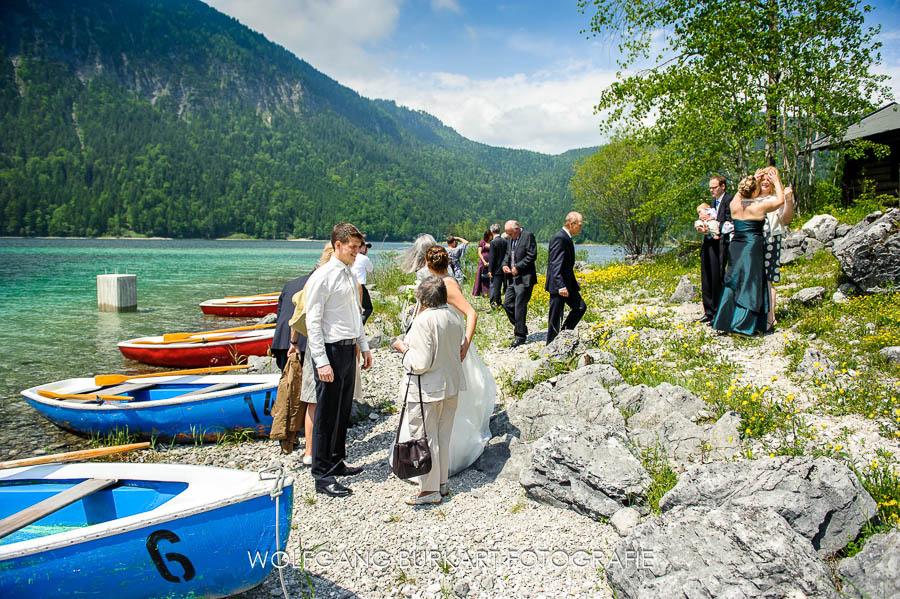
(117, 293)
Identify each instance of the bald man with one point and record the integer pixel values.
(561, 283)
(519, 264)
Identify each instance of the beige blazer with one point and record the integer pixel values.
(434, 341)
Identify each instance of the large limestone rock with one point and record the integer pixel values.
(811, 247)
(564, 347)
(579, 396)
(821, 499)
(874, 571)
(870, 253)
(794, 239)
(789, 255)
(685, 292)
(822, 227)
(713, 553)
(675, 420)
(587, 468)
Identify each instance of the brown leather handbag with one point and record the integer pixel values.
(411, 458)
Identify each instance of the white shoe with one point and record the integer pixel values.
(307, 460)
(445, 489)
(430, 499)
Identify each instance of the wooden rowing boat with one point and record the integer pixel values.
(250, 306)
(138, 530)
(183, 408)
(203, 349)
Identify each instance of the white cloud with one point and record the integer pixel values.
(547, 112)
(448, 5)
(329, 34)
(550, 111)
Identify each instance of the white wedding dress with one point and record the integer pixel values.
(471, 424)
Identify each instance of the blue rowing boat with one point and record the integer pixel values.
(184, 408)
(139, 530)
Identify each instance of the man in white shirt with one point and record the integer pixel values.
(335, 327)
(362, 266)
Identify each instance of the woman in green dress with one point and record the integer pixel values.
(744, 306)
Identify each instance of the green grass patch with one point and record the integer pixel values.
(662, 476)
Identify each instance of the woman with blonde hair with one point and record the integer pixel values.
(775, 227)
(744, 307)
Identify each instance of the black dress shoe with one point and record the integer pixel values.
(346, 470)
(334, 489)
(517, 343)
(704, 318)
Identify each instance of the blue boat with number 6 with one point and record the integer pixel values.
(182, 407)
(139, 530)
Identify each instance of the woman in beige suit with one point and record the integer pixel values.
(431, 350)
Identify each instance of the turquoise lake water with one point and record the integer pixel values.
(52, 330)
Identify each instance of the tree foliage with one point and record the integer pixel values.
(171, 119)
(731, 85)
(624, 187)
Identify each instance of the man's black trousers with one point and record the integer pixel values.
(516, 305)
(577, 308)
(333, 403)
(713, 260)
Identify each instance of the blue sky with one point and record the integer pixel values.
(510, 73)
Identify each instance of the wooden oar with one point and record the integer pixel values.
(202, 339)
(69, 456)
(254, 295)
(248, 303)
(53, 395)
(105, 380)
(174, 336)
(54, 503)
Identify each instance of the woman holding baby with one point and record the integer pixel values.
(744, 306)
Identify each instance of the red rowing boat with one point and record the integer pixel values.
(249, 306)
(213, 348)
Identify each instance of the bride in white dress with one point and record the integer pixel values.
(471, 425)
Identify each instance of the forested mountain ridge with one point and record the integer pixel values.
(166, 117)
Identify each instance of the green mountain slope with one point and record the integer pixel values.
(166, 117)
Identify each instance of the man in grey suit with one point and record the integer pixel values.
(519, 265)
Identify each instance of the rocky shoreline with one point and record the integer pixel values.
(594, 487)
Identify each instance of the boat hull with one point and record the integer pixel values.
(200, 418)
(212, 353)
(241, 307)
(209, 553)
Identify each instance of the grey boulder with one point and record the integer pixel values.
(586, 468)
(822, 227)
(814, 363)
(577, 397)
(673, 419)
(870, 253)
(812, 246)
(794, 239)
(789, 255)
(891, 353)
(820, 498)
(808, 296)
(875, 571)
(712, 553)
(685, 292)
(842, 230)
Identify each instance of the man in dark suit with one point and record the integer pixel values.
(281, 341)
(714, 251)
(519, 264)
(498, 249)
(561, 283)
